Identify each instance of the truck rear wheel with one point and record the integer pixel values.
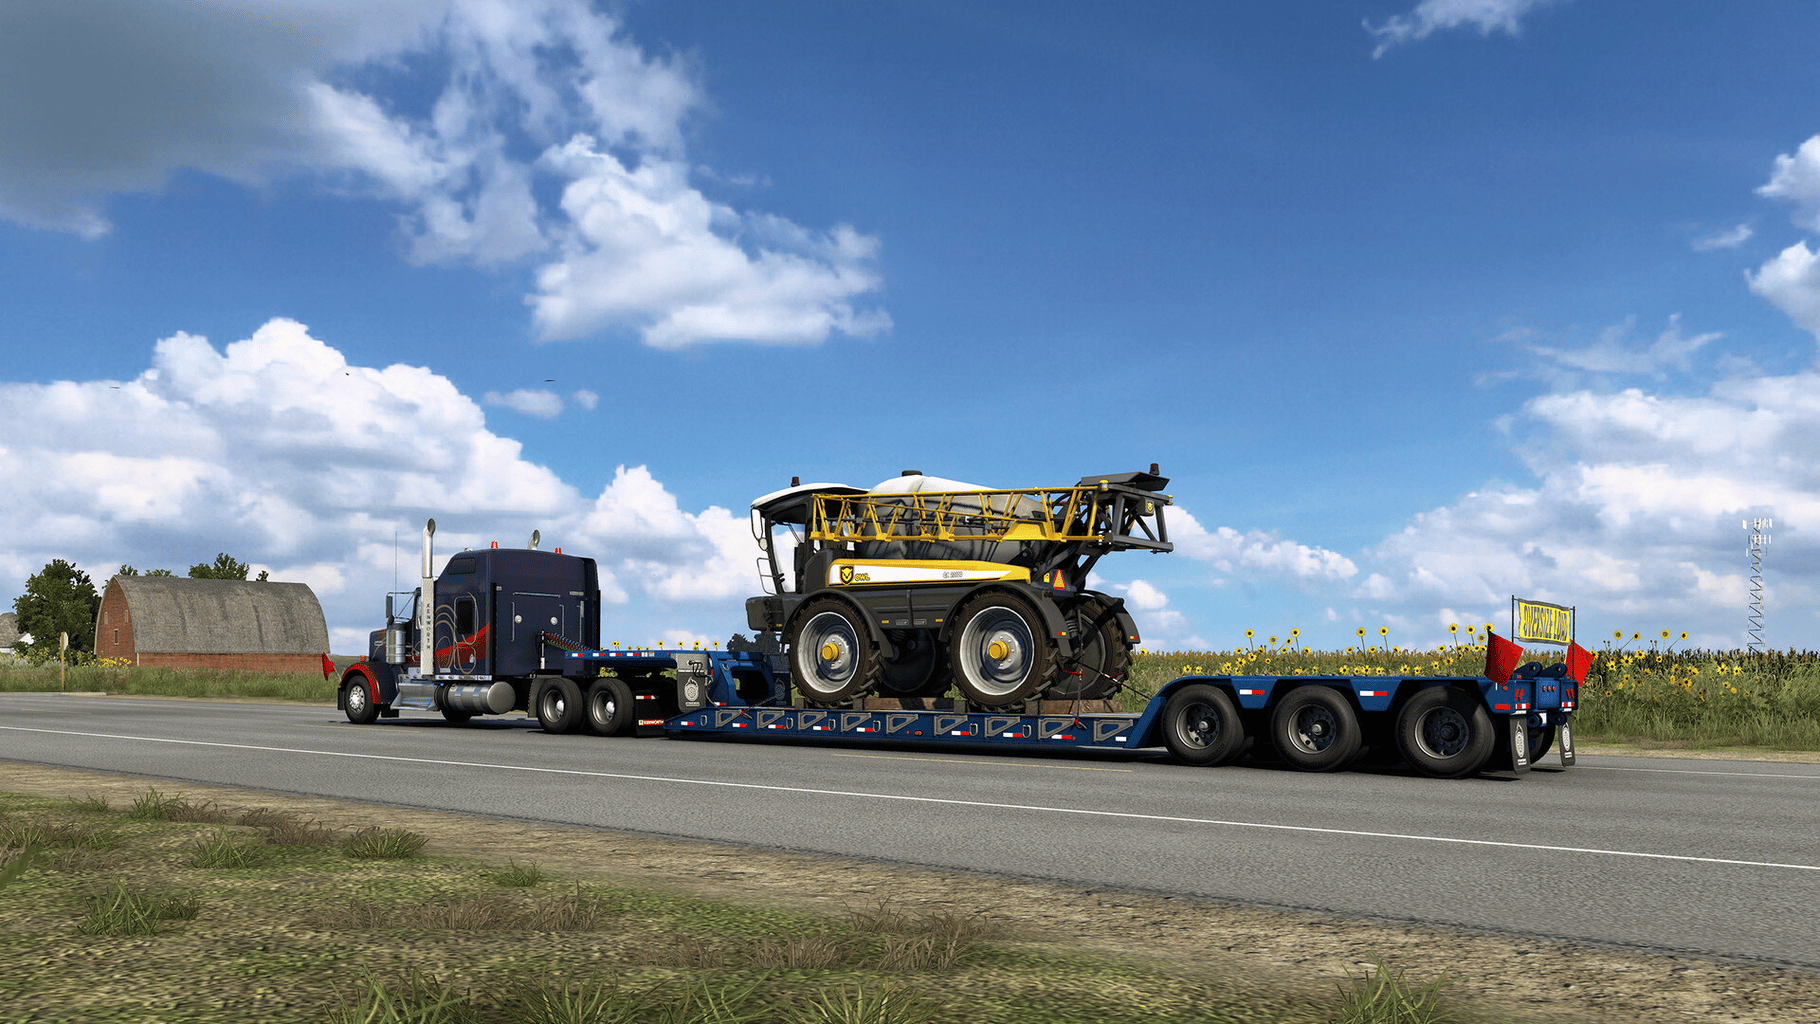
(1315, 729)
(1445, 733)
(1000, 652)
(358, 700)
(559, 705)
(1201, 727)
(1101, 661)
(832, 657)
(609, 704)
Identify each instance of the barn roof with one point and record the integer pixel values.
(178, 615)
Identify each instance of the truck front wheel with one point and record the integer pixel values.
(1315, 729)
(559, 705)
(1445, 733)
(358, 700)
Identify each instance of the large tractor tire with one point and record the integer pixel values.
(832, 657)
(1000, 651)
(917, 667)
(1101, 661)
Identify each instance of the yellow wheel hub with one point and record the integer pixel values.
(998, 650)
(830, 651)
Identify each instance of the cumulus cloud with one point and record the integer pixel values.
(549, 137)
(1256, 552)
(1430, 16)
(280, 451)
(1790, 280)
(1636, 512)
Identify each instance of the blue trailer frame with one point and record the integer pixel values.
(739, 694)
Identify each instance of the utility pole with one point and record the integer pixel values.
(1759, 540)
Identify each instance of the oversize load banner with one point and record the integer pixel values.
(1544, 623)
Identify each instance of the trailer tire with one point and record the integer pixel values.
(1000, 651)
(1101, 661)
(1201, 727)
(559, 707)
(455, 717)
(357, 699)
(1315, 729)
(832, 656)
(1445, 733)
(609, 705)
(1541, 741)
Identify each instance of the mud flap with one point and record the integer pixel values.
(1564, 739)
(1517, 739)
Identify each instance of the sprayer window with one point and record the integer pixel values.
(464, 616)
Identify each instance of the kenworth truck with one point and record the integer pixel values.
(518, 629)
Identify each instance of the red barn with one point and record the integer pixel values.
(177, 622)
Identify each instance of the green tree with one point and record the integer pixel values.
(225, 568)
(58, 599)
(127, 570)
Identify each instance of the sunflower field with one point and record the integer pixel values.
(1636, 693)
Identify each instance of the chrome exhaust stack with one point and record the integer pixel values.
(426, 607)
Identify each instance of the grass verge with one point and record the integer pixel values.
(140, 925)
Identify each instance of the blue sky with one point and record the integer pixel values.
(1419, 305)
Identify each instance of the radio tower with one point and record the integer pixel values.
(1759, 539)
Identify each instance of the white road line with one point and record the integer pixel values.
(932, 800)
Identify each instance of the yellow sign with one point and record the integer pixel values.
(1544, 623)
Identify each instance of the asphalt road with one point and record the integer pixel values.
(1714, 858)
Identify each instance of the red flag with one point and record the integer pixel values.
(1579, 662)
(1501, 657)
(328, 668)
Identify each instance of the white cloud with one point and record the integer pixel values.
(1613, 352)
(527, 98)
(586, 399)
(1791, 282)
(1255, 551)
(1432, 15)
(294, 459)
(1797, 179)
(1730, 238)
(532, 402)
(1635, 514)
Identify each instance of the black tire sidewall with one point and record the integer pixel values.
(1345, 745)
(621, 695)
(572, 709)
(1470, 759)
(1231, 734)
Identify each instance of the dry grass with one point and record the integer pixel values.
(575, 911)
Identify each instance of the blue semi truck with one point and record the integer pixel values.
(518, 629)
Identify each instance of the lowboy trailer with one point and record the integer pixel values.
(518, 629)
(1446, 727)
